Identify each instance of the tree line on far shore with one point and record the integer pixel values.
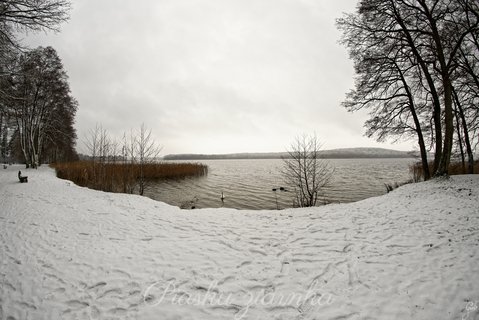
(417, 73)
(37, 109)
(345, 153)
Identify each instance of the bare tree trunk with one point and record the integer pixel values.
(459, 142)
(449, 128)
(432, 87)
(417, 124)
(467, 141)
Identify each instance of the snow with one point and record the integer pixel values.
(68, 252)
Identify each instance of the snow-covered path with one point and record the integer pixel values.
(72, 253)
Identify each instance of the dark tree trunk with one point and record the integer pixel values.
(449, 128)
(467, 141)
(459, 142)
(432, 87)
(417, 124)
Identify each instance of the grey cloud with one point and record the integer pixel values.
(211, 75)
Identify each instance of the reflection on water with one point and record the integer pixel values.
(248, 184)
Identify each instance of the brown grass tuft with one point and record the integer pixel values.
(455, 168)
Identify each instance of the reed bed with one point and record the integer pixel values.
(124, 177)
(455, 168)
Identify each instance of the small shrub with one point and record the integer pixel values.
(305, 171)
(417, 172)
(391, 186)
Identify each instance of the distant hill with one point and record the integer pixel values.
(345, 153)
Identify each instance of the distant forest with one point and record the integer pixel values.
(348, 153)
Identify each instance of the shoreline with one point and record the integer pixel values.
(70, 252)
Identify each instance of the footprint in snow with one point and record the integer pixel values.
(76, 304)
(261, 252)
(97, 285)
(29, 306)
(118, 311)
(111, 292)
(244, 263)
(285, 267)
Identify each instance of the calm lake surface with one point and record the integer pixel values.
(248, 184)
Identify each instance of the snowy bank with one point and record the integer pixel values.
(68, 252)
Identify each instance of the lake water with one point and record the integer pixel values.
(248, 184)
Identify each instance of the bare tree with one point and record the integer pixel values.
(146, 151)
(30, 15)
(137, 151)
(40, 101)
(98, 143)
(305, 171)
(423, 40)
(387, 85)
(466, 84)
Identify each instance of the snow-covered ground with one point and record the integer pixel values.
(72, 253)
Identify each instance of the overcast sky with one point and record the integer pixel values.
(211, 76)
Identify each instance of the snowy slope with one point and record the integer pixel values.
(72, 253)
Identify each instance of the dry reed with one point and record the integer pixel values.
(455, 168)
(123, 177)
